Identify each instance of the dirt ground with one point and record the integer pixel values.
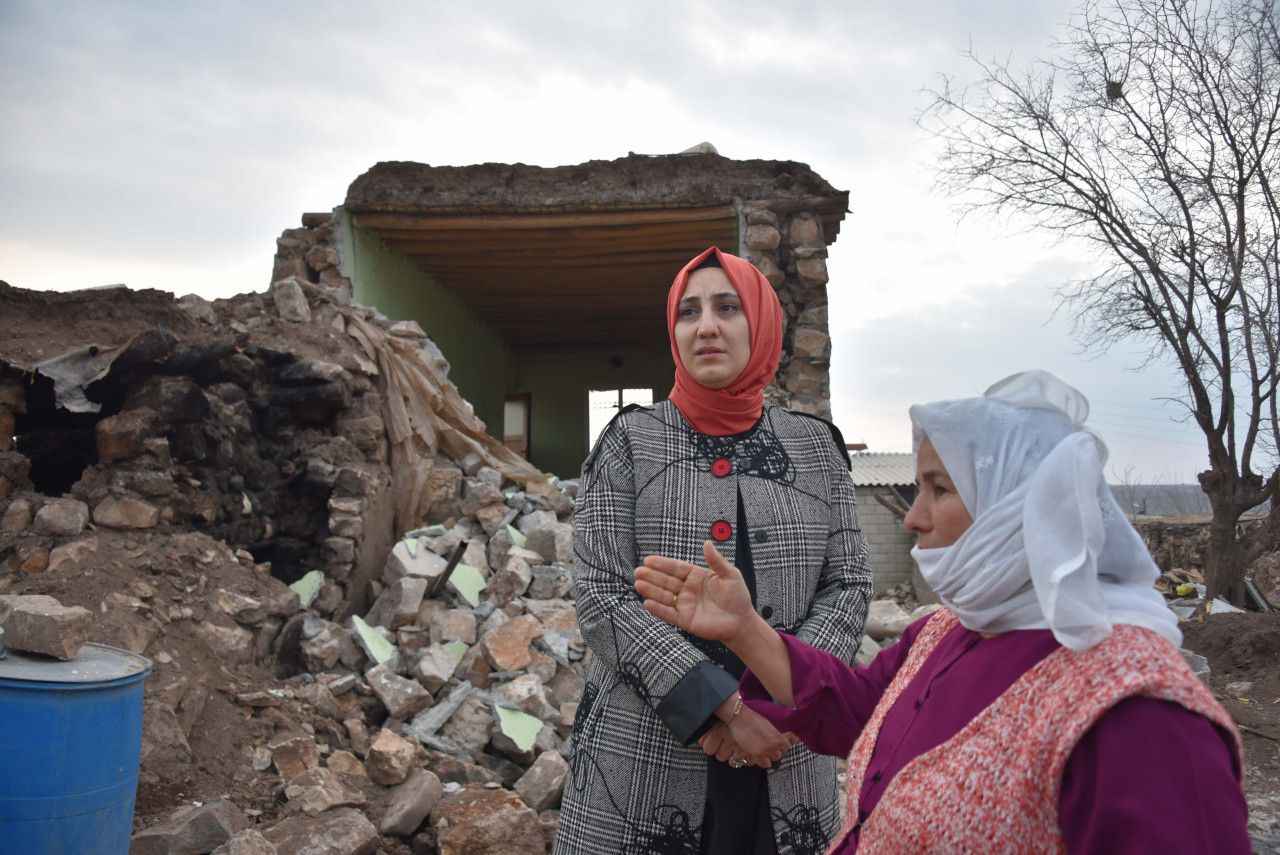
(1245, 649)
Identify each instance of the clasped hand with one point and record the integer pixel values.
(712, 602)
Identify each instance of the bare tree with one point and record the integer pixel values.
(1154, 136)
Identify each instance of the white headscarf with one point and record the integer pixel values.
(1049, 546)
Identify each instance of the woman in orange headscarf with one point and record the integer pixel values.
(665, 758)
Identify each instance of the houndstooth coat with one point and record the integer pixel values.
(655, 486)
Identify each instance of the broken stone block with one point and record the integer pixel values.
(407, 558)
(886, 619)
(390, 759)
(247, 842)
(481, 821)
(867, 651)
(454, 625)
(74, 554)
(62, 518)
(511, 581)
(294, 754)
(494, 518)
(375, 646)
(238, 607)
(322, 649)
(31, 558)
(529, 523)
(40, 624)
(346, 763)
(553, 542)
(507, 647)
(550, 582)
(568, 713)
(471, 726)
(342, 831)
(190, 830)
(399, 602)
(517, 734)
(550, 822)
(411, 803)
(527, 694)
(477, 494)
(499, 548)
(232, 643)
(162, 735)
(358, 734)
(17, 516)
(566, 687)
(126, 512)
(291, 301)
(318, 790)
(542, 786)
(308, 588)
(467, 582)
(403, 698)
(124, 435)
(438, 663)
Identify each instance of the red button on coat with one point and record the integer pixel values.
(721, 467)
(721, 530)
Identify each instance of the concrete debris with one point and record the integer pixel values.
(40, 624)
(391, 758)
(411, 803)
(403, 698)
(468, 583)
(318, 790)
(507, 647)
(480, 821)
(886, 619)
(1199, 665)
(346, 763)
(247, 842)
(379, 650)
(126, 512)
(867, 651)
(308, 588)
(520, 727)
(294, 754)
(191, 830)
(542, 785)
(342, 831)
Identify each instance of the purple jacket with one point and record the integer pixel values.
(1148, 776)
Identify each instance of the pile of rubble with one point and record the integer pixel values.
(226, 488)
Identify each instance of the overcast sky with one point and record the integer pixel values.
(167, 148)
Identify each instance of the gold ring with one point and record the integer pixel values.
(737, 762)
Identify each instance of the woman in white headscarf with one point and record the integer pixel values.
(1046, 707)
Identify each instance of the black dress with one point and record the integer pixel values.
(736, 820)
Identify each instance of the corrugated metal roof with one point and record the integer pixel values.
(882, 468)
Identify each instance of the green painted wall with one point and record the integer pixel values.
(480, 362)
(557, 382)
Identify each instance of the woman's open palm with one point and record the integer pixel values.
(710, 603)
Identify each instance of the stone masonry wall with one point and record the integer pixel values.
(785, 240)
(889, 543)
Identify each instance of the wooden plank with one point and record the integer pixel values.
(640, 237)
(492, 222)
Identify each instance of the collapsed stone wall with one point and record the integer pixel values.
(784, 239)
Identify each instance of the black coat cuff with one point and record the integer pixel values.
(687, 709)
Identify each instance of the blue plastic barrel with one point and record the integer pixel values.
(70, 739)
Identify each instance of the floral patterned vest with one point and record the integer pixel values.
(994, 786)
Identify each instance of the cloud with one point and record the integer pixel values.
(168, 145)
(957, 348)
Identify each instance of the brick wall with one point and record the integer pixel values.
(890, 546)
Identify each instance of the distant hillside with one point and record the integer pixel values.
(1163, 500)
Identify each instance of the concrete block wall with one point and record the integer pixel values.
(890, 545)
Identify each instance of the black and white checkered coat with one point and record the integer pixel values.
(638, 778)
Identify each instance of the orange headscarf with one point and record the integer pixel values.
(735, 408)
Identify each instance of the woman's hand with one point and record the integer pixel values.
(718, 742)
(713, 604)
(757, 738)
